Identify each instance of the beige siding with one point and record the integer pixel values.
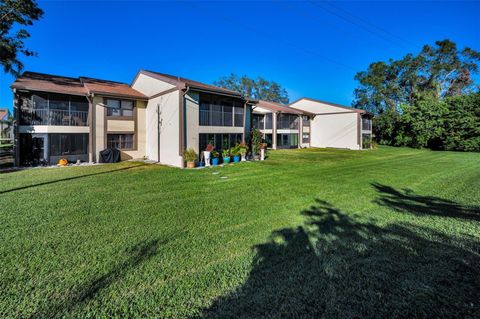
(120, 126)
(124, 126)
(99, 129)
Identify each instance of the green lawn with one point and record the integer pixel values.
(383, 233)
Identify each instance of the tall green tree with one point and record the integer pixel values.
(14, 16)
(440, 71)
(256, 89)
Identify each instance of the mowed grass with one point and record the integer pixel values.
(307, 233)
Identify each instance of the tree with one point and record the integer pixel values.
(440, 71)
(255, 89)
(13, 15)
(462, 123)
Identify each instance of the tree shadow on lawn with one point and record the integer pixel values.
(334, 266)
(140, 253)
(69, 179)
(407, 201)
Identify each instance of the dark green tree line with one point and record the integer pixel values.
(255, 89)
(418, 98)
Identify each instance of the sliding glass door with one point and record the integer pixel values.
(287, 140)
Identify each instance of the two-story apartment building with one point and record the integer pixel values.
(335, 125)
(282, 126)
(183, 113)
(75, 118)
(158, 116)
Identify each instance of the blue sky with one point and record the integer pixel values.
(312, 49)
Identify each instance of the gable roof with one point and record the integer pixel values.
(105, 87)
(34, 81)
(277, 107)
(83, 86)
(184, 82)
(352, 109)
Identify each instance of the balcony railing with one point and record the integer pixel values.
(54, 117)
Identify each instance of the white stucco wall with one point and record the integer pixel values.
(330, 129)
(335, 130)
(169, 107)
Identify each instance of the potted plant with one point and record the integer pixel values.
(190, 156)
(226, 156)
(214, 155)
(243, 151)
(256, 143)
(235, 151)
(263, 148)
(206, 154)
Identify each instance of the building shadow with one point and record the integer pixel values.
(139, 253)
(70, 178)
(406, 200)
(334, 266)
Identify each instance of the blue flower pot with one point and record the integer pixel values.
(215, 161)
(236, 159)
(226, 160)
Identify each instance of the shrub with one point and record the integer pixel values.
(256, 141)
(189, 155)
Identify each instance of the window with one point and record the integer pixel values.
(120, 141)
(306, 138)
(268, 121)
(219, 141)
(287, 140)
(59, 102)
(227, 115)
(68, 144)
(268, 140)
(305, 120)
(258, 121)
(78, 104)
(238, 116)
(40, 101)
(287, 121)
(366, 124)
(119, 107)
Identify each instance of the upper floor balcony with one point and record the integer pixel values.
(53, 109)
(287, 121)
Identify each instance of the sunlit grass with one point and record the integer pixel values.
(387, 232)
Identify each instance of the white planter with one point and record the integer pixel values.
(244, 157)
(262, 154)
(206, 156)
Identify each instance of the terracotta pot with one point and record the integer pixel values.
(191, 164)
